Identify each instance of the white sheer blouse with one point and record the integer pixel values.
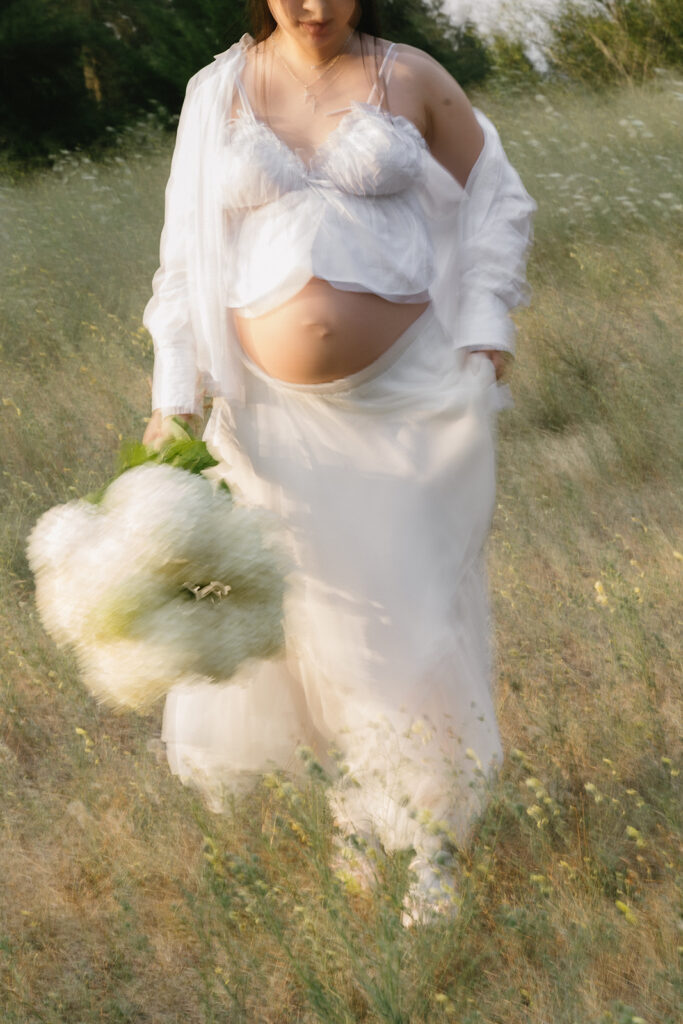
(407, 236)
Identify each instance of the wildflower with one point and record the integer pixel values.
(536, 812)
(633, 833)
(8, 401)
(87, 742)
(624, 909)
(471, 755)
(520, 756)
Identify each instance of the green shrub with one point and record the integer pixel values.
(71, 71)
(618, 40)
(510, 66)
(43, 99)
(422, 23)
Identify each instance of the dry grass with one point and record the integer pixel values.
(115, 906)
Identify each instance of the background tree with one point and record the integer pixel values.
(617, 40)
(69, 69)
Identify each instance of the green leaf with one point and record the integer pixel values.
(182, 451)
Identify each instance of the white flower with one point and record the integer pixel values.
(119, 582)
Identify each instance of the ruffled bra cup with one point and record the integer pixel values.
(258, 167)
(369, 153)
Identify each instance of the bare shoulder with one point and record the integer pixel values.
(429, 78)
(442, 110)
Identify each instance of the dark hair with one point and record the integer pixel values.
(263, 22)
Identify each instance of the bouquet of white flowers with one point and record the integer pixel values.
(159, 577)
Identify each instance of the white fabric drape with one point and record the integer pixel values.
(383, 486)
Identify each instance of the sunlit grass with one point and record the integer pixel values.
(122, 898)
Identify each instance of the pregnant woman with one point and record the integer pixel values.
(344, 239)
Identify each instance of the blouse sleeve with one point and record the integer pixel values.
(167, 316)
(495, 234)
(481, 236)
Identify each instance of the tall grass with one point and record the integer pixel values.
(123, 899)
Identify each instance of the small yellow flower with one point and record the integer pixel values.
(633, 833)
(8, 401)
(520, 756)
(471, 755)
(537, 814)
(626, 911)
(300, 832)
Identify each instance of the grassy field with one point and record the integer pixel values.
(121, 898)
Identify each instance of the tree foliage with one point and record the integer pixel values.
(71, 68)
(618, 40)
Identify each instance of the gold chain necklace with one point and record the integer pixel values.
(310, 97)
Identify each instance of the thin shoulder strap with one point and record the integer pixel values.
(244, 99)
(383, 75)
(388, 62)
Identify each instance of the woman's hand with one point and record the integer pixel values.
(159, 428)
(499, 359)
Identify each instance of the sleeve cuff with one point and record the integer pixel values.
(484, 322)
(175, 385)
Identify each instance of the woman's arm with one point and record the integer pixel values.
(167, 316)
(453, 133)
(486, 255)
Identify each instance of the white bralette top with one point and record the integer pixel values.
(352, 216)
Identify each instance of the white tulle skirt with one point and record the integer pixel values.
(384, 484)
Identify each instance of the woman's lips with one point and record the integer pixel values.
(315, 28)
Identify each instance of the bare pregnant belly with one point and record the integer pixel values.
(323, 333)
